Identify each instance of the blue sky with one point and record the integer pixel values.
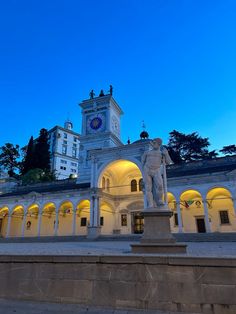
(172, 64)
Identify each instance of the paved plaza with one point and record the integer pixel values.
(207, 249)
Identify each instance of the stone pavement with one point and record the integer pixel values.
(205, 249)
(28, 307)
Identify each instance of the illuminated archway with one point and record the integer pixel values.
(31, 222)
(48, 219)
(106, 217)
(65, 218)
(82, 217)
(4, 216)
(16, 221)
(221, 207)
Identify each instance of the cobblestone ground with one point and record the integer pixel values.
(214, 249)
(26, 307)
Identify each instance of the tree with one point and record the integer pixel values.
(228, 150)
(41, 151)
(29, 160)
(188, 147)
(37, 175)
(9, 155)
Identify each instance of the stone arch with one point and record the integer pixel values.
(65, 217)
(82, 216)
(17, 218)
(221, 207)
(4, 216)
(31, 222)
(192, 209)
(48, 219)
(107, 217)
(120, 173)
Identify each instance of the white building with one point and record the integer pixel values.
(107, 197)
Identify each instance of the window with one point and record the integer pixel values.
(74, 152)
(74, 145)
(83, 222)
(133, 185)
(74, 164)
(64, 149)
(63, 161)
(123, 220)
(64, 142)
(73, 170)
(176, 221)
(65, 135)
(108, 185)
(140, 185)
(63, 168)
(103, 183)
(75, 139)
(224, 217)
(101, 221)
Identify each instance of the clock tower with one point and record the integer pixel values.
(100, 129)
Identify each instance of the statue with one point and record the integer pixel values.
(111, 90)
(101, 93)
(92, 94)
(154, 176)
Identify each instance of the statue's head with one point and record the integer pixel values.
(156, 142)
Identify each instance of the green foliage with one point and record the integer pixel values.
(41, 151)
(28, 162)
(228, 150)
(9, 155)
(37, 175)
(188, 147)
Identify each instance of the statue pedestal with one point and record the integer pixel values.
(157, 237)
(93, 232)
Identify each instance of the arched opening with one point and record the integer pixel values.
(221, 210)
(4, 216)
(16, 221)
(124, 176)
(31, 222)
(65, 218)
(48, 219)
(192, 210)
(174, 221)
(106, 217)
(82, 217)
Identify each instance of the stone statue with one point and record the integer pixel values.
(111, 90)
(92, 94)
(101, 93)
(154, 175)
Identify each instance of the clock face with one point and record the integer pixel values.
(115, 125)
(95, 123)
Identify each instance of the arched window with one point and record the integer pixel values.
(133, 185)
(108, 185)
(140, 185)
(103, 183)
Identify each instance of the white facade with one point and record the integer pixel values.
(64, 148)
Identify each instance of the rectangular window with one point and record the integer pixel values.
(73, 170)
(63, 168)
(83, 222)
(64, 142)
(176, 221)
(64, 149)
(224, 217)
(75, 139)
(101, 221)
(63, 161)
(124, 220)
(65, 135)
(74, 152)
(74, 145)
(74, 164)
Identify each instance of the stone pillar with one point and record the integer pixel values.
(180, 223)
(234, 205)
(56, 224)
(39, 223)
(74, 222)
(23, 225)
(207, 223)
(8, 225)
(94, 229)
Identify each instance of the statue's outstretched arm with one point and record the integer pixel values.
(167, 157)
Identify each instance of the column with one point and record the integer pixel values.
(8, 225)
(39, 223)
(74, 222)
(23, 225)
(205, 207)
(56, 224)
(91, 212)
(234, 205)
(180, 223)
(96, 212)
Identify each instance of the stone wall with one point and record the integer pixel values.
(184, 284)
